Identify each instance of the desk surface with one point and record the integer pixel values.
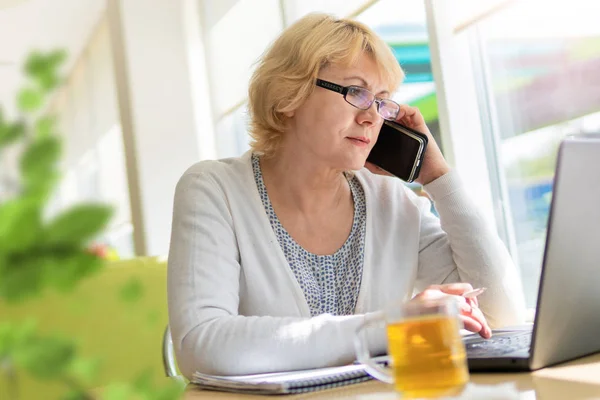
(576, 380)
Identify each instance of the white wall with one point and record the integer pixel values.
(93, 162)
(236, 34)
(156, 106)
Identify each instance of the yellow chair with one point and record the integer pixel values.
(117, 316)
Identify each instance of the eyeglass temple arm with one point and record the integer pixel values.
(332, 86)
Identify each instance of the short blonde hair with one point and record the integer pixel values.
(285, 76)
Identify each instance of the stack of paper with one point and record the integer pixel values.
(285, 382)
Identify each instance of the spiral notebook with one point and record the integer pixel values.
(285, 382)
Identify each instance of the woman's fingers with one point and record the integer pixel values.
(410, 116)
(477, 316)
(471, 324)
(453, 288)
(473, 301)
(430, 293)
(469, 311)
(406, 111)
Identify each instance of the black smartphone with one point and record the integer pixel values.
(399, 150)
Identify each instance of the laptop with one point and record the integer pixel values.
(567, 321)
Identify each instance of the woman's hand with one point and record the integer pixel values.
(470, 314)
(434, 163)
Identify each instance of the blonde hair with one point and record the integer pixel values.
(285, 76)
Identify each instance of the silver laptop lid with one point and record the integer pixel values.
(567, 323)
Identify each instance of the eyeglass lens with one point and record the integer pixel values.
(363, 99)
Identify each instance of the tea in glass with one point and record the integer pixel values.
(427, 355)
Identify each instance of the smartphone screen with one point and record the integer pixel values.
(399, 150)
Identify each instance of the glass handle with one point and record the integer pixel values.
(363, 356)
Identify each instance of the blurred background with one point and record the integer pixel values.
(153, 86)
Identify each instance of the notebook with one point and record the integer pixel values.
(285, 382)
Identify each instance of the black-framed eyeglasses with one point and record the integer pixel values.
(363, 99)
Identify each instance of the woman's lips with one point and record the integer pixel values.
(361, 141)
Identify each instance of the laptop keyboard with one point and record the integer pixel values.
(499, 345)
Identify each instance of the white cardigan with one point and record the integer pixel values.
(235, 306)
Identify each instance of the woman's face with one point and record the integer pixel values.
(333, 132)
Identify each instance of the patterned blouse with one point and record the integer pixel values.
(330, 282)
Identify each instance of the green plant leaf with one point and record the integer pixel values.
(42, 68)
(64, 271)
(6, 339)
(30, 99)
(13, 336)
(20, 225)
(76, 395)
(11, 133)
(131, 291)
(143, 382)
(145, 388)
(39, 157)
(45, 357)
(21, 280)
(39, 167)
(119, 391)
(78, 224)
(40, 190)
(84, 370)
(57, 57)
(36, 63)
(172, 390)
(45, 126)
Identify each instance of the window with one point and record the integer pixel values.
(538, 65)
(232, 138)
(94, 161)
(402, 25)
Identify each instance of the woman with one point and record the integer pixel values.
(277, 256)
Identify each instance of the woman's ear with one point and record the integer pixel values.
(289, 114)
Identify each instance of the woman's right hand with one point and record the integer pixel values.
(470, 314)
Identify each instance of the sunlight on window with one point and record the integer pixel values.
(543, 61)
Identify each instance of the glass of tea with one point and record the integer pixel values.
(426, 354)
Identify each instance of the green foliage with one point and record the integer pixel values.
(10, 132)
(20, 280)
(143, 389)
(45, 357)
(132, 291)
(77, 225)
(39, 254)
(38, 167)
(36, 254)
(84, 370)
(45, 126)
(41, 68)
(20, 225)
(65, 271)
(30, 99)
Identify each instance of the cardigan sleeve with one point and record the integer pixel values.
(460, 246)
(203, 300)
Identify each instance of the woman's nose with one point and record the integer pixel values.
(370, 115)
